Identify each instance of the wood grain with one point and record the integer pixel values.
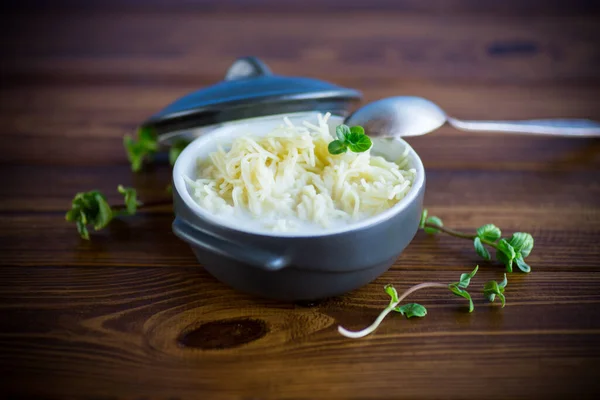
(506, 7)
(110, 330)
(142, 47)
(132, 315)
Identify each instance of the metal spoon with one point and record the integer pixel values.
(415, 116)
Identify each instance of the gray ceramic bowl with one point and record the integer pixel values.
(293, 266)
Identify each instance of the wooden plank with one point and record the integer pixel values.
(117, 332)
(566, 239)
(560, 244)
(148, 47)
(446, 7)
(93, 110)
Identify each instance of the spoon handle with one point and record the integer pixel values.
(543, 127)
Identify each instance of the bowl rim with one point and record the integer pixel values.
(187, 156)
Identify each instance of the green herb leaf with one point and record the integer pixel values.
(91, 208)
(131, 202)
(505, 253)
(78, 215)
(389, 289)
(414, 309)
(489, 232)
(358, 142)
(423, 218)
(104, 214)
(492, 289)
(481, 250)
(465, 279)
(522, 243)
(350, 138)
(454, 288)
(337, 147)
(82, 229)
(411, 310)
(176, 149)
(135, 155)
(341, 131)
(141, 149)
(357, 130)
(433, 221)
(522, 264)
(503, 283)
(147, 136)
(508, 263)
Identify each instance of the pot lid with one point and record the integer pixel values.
(250, 90)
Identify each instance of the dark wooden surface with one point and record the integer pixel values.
(131, 314)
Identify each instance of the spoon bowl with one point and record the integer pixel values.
(399, 116)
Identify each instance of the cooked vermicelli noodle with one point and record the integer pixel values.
(287, 179)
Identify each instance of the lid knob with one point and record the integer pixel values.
(247, 67)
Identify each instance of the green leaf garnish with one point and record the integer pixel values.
(431, 223)
(492, 289)
(410, 310)
(413, 309)
(521, 264)
(389, 289)
(465, 279)
(337, 147)
(504, 282)
(349, 138)
(489, 232)
(423, 218)
(481, 250)
(355, 132)
(341, 131)
(142, 149)
(457, 290)
(505, 253)
(522, 243)
(91, 208)
(130, 199)
(359, 144)
(176, 149)
(508, 252)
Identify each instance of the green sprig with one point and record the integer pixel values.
(413, 309)
(353, 138)
(493, 289)
(458, 288)
(410, 310)
(91, 208)
(141, 149)
(508, 251)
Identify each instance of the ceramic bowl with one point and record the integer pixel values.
(293, 266)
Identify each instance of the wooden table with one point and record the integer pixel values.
(107, 319)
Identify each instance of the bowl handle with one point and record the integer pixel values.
(232, 250)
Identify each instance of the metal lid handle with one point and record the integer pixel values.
(247, 67)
